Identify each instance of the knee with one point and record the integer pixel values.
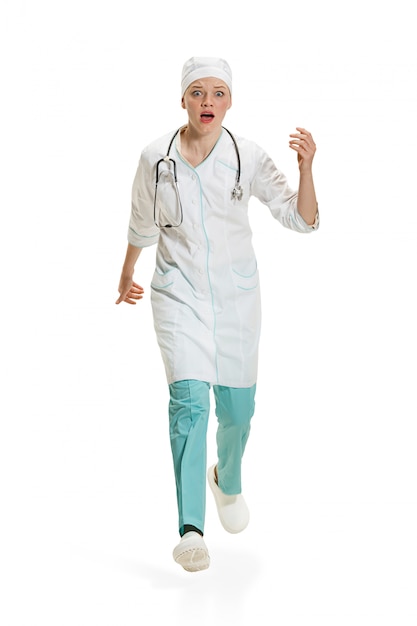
(235, 407)
(188, 403)
(238, 420)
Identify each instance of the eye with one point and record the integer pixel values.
(196, 92)
(219, 93)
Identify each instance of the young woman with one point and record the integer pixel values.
(190, 198)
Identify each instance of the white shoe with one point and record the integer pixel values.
(233, 511)
(191, 552)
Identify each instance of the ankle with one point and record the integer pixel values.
(190, 528)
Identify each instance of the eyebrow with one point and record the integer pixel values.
(199, 86)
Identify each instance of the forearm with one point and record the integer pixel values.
(129, 291)
(307, 201)
(132, 255)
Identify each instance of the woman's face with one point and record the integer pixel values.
(206, 102)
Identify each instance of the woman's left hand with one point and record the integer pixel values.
(303, 143)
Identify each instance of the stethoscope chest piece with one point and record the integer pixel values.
(237, 192)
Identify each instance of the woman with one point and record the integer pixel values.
(190, 197)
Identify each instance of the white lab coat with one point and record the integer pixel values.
(205, 290)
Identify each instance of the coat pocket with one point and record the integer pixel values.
(163, 279)
(246, 277)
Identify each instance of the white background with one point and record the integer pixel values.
(88, 517)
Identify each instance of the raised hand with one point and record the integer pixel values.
(303, 143)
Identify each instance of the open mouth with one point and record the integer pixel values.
(206, 117)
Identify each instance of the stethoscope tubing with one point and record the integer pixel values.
(237, 191)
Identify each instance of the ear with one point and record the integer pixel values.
(182, 102)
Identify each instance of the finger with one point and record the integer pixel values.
(126, 299)
(130, 296)
(308, 139)
(121, 298)
(300, 141)
(303, 134)
(298, 145)
(304, 143)
(303, 130)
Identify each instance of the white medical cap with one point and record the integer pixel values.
(205, 67)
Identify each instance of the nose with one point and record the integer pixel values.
(207, 101)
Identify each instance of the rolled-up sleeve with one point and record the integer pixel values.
(142, 230)
(271, 187)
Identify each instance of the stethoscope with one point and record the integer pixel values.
(237, 191)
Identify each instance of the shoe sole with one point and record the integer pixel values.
(193, 560)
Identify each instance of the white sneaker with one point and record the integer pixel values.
(233, 511)
(191, 552)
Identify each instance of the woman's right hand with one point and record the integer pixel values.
(129, 291)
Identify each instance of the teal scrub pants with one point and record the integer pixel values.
(189, 408)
